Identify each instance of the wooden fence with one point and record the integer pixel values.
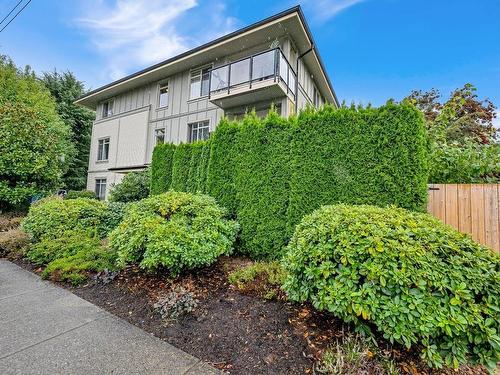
(471, 208)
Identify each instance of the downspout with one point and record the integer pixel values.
(297, 80)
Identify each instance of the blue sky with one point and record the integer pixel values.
(373, 49)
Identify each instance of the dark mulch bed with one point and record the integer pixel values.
(235, 332)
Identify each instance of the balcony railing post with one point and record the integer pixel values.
(228, 78)
(250, 74)
(276, 64)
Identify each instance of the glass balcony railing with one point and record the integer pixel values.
(266, 65)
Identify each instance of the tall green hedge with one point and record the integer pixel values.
(161, 168)
(181, 164)
(222, 165)
(262, 184)
(270, 173)
(358, 156)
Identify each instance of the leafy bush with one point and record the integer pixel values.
(261, 278)
(34, 141)
(175, 230)
(419, 282)
(133, 187)
(75, 268)
(51, 217)
(68, 242)
(161, 168)
(112, 216)
(465, 163)
(175, 304)
(262, 185)
(73, 194)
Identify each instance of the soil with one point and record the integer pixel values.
(237, 332)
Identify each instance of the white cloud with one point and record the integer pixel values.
(325, 9)
(131, 34)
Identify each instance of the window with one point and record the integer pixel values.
(100, 188)
(163, 95)
(199, 131)
(103, 149)
(159, 136)
(107, 108)
(199, 83)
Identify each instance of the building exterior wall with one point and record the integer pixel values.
(136, 115)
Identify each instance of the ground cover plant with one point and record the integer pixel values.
(73, 194)
(176, 231)
(401, 273)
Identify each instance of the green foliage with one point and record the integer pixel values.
(262, 184)
(115, 211)
(223, 164)
(34, 142)
(263, 278)
(270, 173)
(180, 167)
(67, 243)
(161, 168)
(73, 194)
(51, 217)
(133, 187)
(175, 230)
(74, 268)
(65, 89)
(417, 281)
(464, 163)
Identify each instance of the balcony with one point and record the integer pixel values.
(264, 76)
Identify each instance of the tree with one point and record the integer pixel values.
(65, 89)
(34, 141)
(462, 138)
(463, 117)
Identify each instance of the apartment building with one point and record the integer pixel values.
(182, 99)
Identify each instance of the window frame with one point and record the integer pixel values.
(99, 183)
(197, 124)
(105, 141)
(160, 86)
(156, 136)
(108, 112)
(198, 74)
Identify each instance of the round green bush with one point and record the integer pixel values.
(133, 187)
(405, 274)
(52, 216)
(177, 231)
(113, 216)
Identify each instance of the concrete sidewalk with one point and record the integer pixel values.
(45, 329)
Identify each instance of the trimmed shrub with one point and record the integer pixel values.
(358, 156)
(194, 163)
(175, 230)
(133, 187)
(180, 167)
(417, 281)
(69, 242)
(73, 194)
(202, 169)
(223, 164)
(75, 268)
(161, 168)
(262, 185)
(52, 216)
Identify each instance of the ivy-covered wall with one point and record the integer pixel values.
(270, 173)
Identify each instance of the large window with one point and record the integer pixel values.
(199, 131)
(199, 83)
(100, 188)
(159, 136)
(103, 149)
(107, 108)
(163, 95)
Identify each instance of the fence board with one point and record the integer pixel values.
(473, 209)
